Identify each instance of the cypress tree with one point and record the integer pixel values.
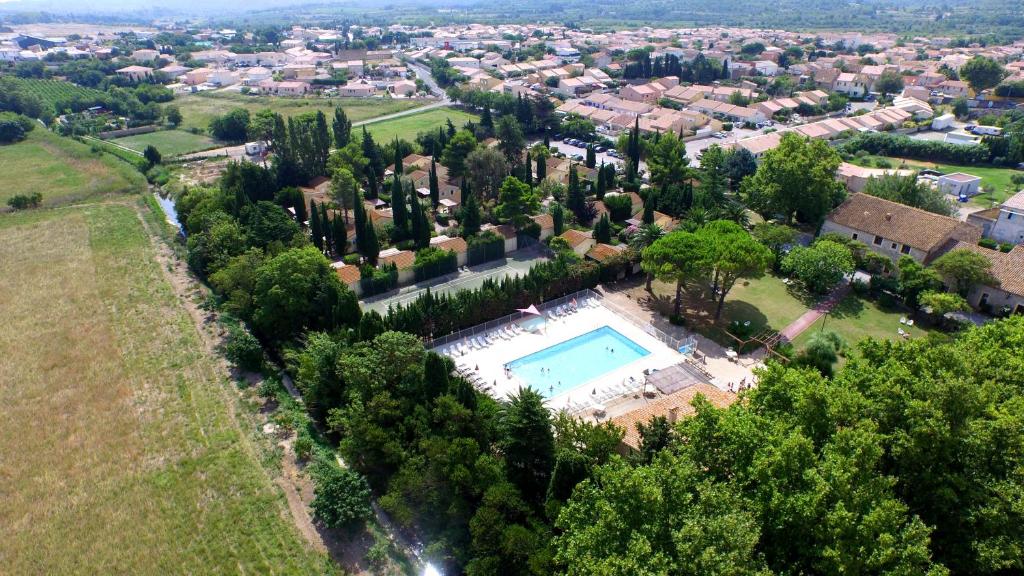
(315, 233)
(375, 164)
(435, 189)
(528, 169)
(423, 234)
(547, 141)
(321, 144)
(371, 245)
(487, 121)
(591, 156)
(649, 202)
(360, 217)
(342, 128)
(340, 235)
(542, 168)
(470, 215)
(398, 159)
(300, 207)
(603, 230)
(558, 216)
(326, 228)
(602, 185)
(609, 177)
(398, 208)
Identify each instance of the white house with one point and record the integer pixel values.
(1009, 225)
(959, 184)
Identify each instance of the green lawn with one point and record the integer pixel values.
(198, 109)
(62, 170)
(123, 451)
(856, 318)
(997, 179)
(169, 142)
(408, 126)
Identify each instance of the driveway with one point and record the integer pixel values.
(514, 264)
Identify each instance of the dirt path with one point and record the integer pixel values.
(808, 318)
(190, 291)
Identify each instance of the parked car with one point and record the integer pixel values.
(600, 149)
(577, 157)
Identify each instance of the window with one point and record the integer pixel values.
(893, 245)
(1009, 215)
(878, 240)
(855, 235)
(905, 249)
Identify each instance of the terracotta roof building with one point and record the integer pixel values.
(894, 230)
(673, 406)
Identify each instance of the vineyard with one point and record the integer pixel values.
(58, 94)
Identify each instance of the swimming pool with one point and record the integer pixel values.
(574, 362)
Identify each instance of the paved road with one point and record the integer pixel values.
(423, 73)
(516, 263)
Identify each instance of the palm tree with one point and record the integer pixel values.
(644, 237)
(698, 217)
(736, 212)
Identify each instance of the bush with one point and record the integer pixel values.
(351, 259)
(303, 445)
(375, 281)
(243, 349)
(883, 144)
(620, 206)
(1005, 246)
(484, 248)
(14, 127)
(341, 497)
(988, 243)
(860, 287)
(432, 262)
(883, 163)
(23, 201)
(727, 127)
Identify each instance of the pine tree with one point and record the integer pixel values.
(342, 127)
(315, 233)
(435, 188)
(399, 211)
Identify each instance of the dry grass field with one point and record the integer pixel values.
(120, 449)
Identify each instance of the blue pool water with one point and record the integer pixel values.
(569, 364)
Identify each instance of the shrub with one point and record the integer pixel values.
(727, 127)
(432, 262)
(620, 206)
(303, 445)
(341, 497)
(484, 248)
(14, 127)
(23, 201)
(988, 243)
(243, 349)
(883, 163)
(1005, 246)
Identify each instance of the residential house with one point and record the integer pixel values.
(1008, 224)
(358, 88)
(1007, 295)
(135, 73)
(850, 84)
(547, 225)
(349, 276)
(673, 406)
(894, 230)
(580, 242)
(402, 259)
(456, 245)
(145, 55)
(857, 177)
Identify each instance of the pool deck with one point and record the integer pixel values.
(488, 363)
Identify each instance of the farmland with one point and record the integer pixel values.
(168, 142)
(57, 93)
(123, 451)
(62, 170)
(198, 109)
(408, 126)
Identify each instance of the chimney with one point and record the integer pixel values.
(673, 414)
(888, 216)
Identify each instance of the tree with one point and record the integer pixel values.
(982, 73)
(341, 127)
(713, 175)
(486, 169)
(960, 108)
(558, 218)
(527, 443)
(576, 199)
(909, 191)
(511, 141)
(941, 303)
(420, 224)
(374, 163)
(739, 164)
(591, 157)
(173, 116)
(647, 234)
(915, 279)
(233, 126)
(341, 497)
(470, 216)
(964, 270)
(152, 155)
(455, 153)
(667, 161)
(821, 352)
(517, 201)
(316, 233)
(889, 82)
(542, 167)
(796, 179)
(732, 253)
(370, 245)
(344, 189)
(775, 237)
(399, 209)
(819, 267)
(435, 189)
(603, 229)
(680, 257)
